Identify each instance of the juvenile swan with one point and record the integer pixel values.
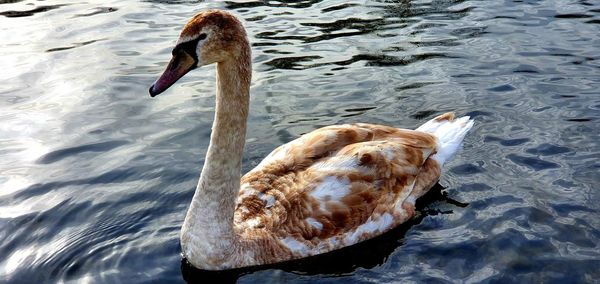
(328, 189)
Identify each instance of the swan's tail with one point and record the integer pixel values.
(450, 133)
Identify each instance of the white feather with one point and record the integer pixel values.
(332, 188)
(294, 245)
(314, 223)
(379, 225)
(450, 135)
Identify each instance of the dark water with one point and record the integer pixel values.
(95, 177)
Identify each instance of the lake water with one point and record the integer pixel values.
(96, 177)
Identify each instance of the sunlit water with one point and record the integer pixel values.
(95, 176)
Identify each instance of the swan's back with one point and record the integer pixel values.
(336, 186)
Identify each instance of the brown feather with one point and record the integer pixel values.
(386, 164)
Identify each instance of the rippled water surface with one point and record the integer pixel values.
(95, 176)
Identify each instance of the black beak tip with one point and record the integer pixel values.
(152, 92)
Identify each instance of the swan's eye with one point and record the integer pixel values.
(202, 36)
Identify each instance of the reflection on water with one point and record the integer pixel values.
(343, 262)
(96, 177)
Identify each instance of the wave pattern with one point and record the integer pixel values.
(96, 176)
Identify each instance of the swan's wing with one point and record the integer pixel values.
(337, 186)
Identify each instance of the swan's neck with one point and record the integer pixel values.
(207, 232)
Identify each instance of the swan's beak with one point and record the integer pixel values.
(180, 64)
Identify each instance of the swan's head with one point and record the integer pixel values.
(209, 37)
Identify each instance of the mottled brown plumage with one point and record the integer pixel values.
(376, 182)
(328, 189)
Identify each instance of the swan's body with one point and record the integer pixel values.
(328, 189)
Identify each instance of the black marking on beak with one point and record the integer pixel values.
(189, 47)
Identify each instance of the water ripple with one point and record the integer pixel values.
(96, 177)
(98, 10)
(28, 13)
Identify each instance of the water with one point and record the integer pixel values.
(96, 176)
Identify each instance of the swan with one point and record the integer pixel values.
(330, 188)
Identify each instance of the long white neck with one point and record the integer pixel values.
(207, 235)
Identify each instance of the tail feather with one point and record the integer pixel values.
(450, 133)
